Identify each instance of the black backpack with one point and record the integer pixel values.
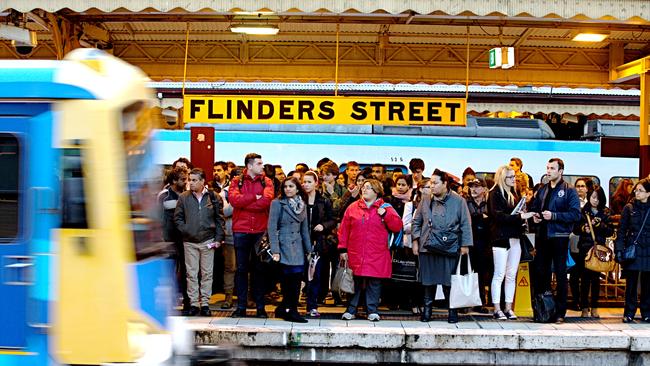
(544, 308)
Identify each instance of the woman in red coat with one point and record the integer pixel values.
(363, 242)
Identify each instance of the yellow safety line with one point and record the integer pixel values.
(16, 353)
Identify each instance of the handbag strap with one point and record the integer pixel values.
(469, 264)
(642, 225)
(591, 228)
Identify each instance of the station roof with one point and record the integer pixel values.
(393, 41)
(607, 10)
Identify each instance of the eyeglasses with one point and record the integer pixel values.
(367, 188)
(510, 176)
(581, 186)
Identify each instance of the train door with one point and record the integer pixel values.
(25, 143)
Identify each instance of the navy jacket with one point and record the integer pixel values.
(565, 206)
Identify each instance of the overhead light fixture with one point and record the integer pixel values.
(255, 29)
(590, 37)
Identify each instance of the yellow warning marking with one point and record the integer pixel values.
(523, 305)
(523, 282)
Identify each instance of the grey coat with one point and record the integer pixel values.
(289, 234)
(450, 212)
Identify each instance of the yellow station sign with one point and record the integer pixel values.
(324, 110)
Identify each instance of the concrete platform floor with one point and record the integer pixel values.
(401, 338)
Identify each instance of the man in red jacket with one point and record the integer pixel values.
(250, 195)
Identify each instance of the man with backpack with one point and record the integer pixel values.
(199, 218)
(250, 195)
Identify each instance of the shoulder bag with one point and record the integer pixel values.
(629, 252)
(544, 308)
(599, 257)
(343, 280)
(263, 245)
(464, 291)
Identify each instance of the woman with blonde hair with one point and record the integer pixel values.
(505, 231)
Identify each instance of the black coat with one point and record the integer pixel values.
(480, 224)
(601, 223)
(630, 225)
(322, 214)
(503, 225)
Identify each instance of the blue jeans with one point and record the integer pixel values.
(247, 261)
(313, 287)
(371, 287)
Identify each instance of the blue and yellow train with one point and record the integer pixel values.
(81, 281)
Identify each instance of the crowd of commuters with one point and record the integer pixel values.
(318, 219)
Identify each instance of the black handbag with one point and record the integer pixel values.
(629, 252)
(404, 266)
(263, 249)
(527, 248)
(544, 310)
(263, 244)
(444, 242)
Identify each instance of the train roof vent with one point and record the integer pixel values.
(507, 122)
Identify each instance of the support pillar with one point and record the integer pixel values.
(202, 149)
(644, 139)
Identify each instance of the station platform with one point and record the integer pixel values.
(401, 338)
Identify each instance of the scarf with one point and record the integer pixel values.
(403, 197)
(297, 204)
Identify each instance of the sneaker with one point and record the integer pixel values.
(313, 313)
(510, 314)
(559, 320)
(374, 317)
(585, 313)
(347, 316)
(499, 315)
(628, 319)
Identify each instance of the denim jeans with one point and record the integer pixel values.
(371, 287)
(314, 286)
(247, 261)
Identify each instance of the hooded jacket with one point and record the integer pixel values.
(364, 235)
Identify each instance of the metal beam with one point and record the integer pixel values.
(630, 70)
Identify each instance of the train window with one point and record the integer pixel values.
(143, 180)
(9, 187)
(73, 195)
(488, 177)
(571, 178)
(389, 167)
(620, 192)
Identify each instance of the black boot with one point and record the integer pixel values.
(428, 304)
(453, 316)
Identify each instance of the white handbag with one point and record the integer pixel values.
(464, 288)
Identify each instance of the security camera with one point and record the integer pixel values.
(23, 40)
(22, 49)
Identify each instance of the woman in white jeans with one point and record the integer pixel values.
(505, 229)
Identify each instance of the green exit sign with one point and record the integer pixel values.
(502, 57)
